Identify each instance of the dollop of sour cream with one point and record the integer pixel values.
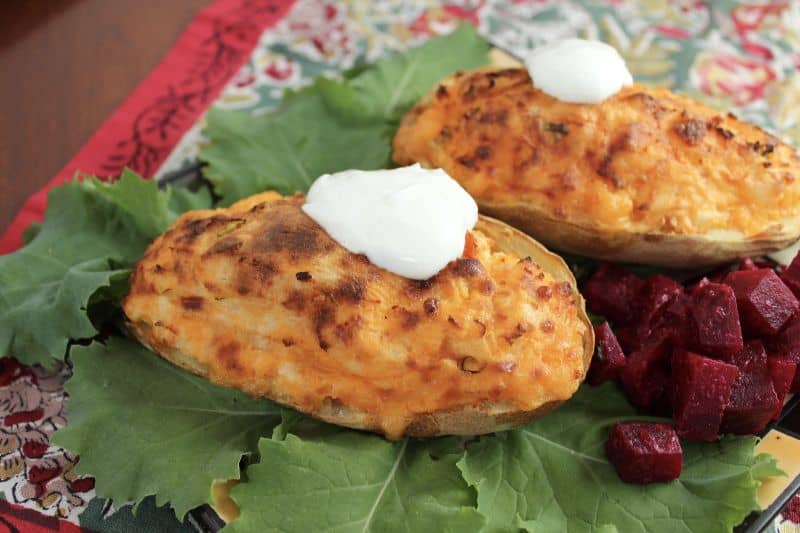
(577, 70)
(411, 221)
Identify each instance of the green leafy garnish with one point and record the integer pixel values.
(146, 206)
(553, 475)
(143, 426)
(85, 241)
(93, 233)
(332, 125)
(342, 480)
(288, 149)
(148, 517)
(383, 92)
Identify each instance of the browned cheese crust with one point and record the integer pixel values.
(646, 176)
(258, 297)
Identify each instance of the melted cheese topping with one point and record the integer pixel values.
(261, 299)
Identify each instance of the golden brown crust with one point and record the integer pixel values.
(258, 297)
(646, 176)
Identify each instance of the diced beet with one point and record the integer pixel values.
(787, 342)
(608, 357)
(714, 320)
(613, 292)
(753, 399)
(628, 337)
(670, 320)
(704, 281)
(662, 314)
(701, 388)
(747, 264)
(657, 292)
(782, 371)
(786, 345)
(791, 276)
(644, 452)
(717, 275)
(764, 302)
(645, 376)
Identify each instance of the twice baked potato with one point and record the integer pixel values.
(646, 176)
(259, 298)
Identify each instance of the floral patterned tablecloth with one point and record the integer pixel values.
(738, 57)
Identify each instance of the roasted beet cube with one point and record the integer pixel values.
(657, 292)
(628, 337)
(645, 376)
(753, 399)
(701, 388)
(787, 342)
(782, 372)
(670, 321)
(702, 282)
(747, 264)
(661, 317)
(791, 276)
(717, 275)
(714, 320)
(644, 452)
(764, 302)
(608, 357)
(613, 292)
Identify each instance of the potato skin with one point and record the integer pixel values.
(258, 297)
(646, 176)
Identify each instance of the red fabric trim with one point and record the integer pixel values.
(15, 518)
(141, 133)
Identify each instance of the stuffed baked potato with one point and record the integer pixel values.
(646, 176)
(259, 298)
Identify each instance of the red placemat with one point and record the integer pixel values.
(142, 131)
(15, 518)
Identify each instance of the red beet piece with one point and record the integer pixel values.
(791, 276)
(612, 292)
(658, 291)
(716, 276)
(701, 283)
(786, 345)
(661, 314)
(645, 376)
(782, 372)
(608, 357)
(714, 320)
(671, 320)
(753, 399)
(644, 452)
(628, 337)
(764, 302)
(747, 264)
(796, 383)
(701, 388)
(787, 342)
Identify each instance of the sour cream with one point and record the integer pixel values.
(410, 220)
(578, 71)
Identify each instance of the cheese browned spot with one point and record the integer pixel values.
(258, 297)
